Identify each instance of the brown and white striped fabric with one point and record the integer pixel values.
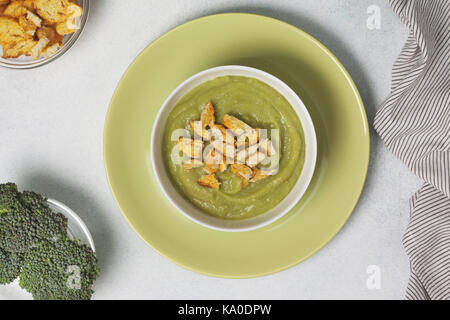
(414, 123)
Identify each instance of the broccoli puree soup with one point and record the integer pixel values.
(234, 191)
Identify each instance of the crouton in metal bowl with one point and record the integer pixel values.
(36, 32)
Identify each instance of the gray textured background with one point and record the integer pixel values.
(51, 132)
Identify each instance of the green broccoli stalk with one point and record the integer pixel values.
(10, 265)
(59, 270)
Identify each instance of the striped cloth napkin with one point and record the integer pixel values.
(414, 123)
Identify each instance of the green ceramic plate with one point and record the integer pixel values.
(309, 69)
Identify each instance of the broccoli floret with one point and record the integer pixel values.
(10, 264)
(49, 224)
(17, 232)
(59, 270)
(9, 201)
(35, 203)
(26, 220)
(34, 246)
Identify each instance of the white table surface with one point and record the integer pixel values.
(51, 132)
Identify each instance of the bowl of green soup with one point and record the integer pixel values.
(233, 148)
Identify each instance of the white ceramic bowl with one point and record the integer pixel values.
(196, 214)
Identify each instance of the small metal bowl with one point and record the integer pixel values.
(25, 62)
(76, 229)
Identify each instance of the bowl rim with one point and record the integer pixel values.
(66, 46)
(310, 154)
(67, 211)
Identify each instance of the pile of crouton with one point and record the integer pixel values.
(216, 146)
(36, 27)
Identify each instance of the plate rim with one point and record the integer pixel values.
(361, 109)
